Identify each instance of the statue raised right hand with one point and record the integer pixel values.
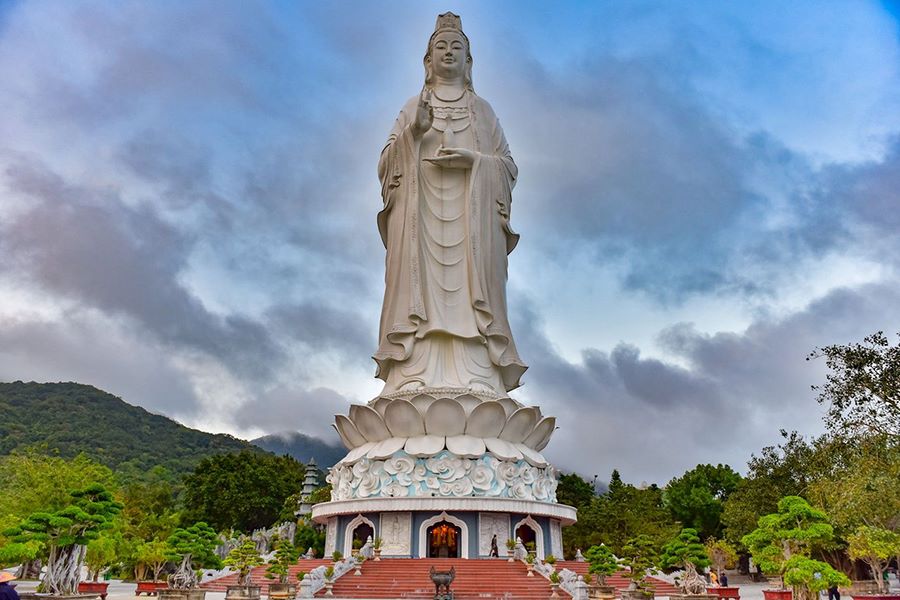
(424, 115)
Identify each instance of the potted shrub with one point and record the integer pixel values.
(243, 558)
(376, 546)
(812, 576)
(336, 556)
(602, 563)
(685, 551)
(360, 559)
(150, 555)
(638, 555)
(529, 563)
(286, 555)
(554, 584)
(357, 544)
(192, 548)
(511, 549)
(329, 580)
(64, 533)
(795, 530)
(550, 560)
(876, 547)
(530, 547)
(99, 554)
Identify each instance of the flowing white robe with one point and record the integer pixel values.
(444, 319)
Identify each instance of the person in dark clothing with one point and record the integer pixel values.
(723, 579)
(833, 593)
(7, 592)
(494, 550)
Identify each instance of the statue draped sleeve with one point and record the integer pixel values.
(490, 240)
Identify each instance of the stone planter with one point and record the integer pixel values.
(241, 592)
(530, 567)
(282, 591)
(377, 554)
(329, 591)
(554, 590)
(885, 596)
(692, 597)
(637, 594)
(98, 588)
(861, 587)
(733, 592)
(778, 594)
(171, 594)
(150, 587)
(602, 592)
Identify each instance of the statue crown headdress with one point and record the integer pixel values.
(448, 21)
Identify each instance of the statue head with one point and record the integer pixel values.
(448, 51)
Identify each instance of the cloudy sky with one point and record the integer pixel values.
(707, 192)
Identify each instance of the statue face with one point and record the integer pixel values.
(449, 54)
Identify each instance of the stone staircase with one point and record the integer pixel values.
(408, 578)
(258, 576)
(483, 579)
(619, 581)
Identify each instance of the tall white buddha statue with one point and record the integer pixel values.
(447, 177)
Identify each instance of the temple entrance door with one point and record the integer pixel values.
(443, 540)
(361, 534)
(527, 535)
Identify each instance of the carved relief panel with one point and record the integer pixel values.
(489, 525)
(556, 546)
(395, 534)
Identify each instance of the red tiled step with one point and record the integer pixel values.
(408, 578)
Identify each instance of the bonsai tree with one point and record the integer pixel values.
(286, 554)
(193, 548)
(795, 530)
(721, 554)
(876, 547)
(810, 577)
(152, 555)
(686, 552)
(639, 554)
(101, 553)
(603, 562)
(65, 535)
(243, 558)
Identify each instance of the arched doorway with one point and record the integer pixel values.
(444, 539)
(360, 534)
(461, 534)
(528, 530)
(360, 528)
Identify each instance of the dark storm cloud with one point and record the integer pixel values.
(88, 246)
(320, 327)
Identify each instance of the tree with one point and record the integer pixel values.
(243, 491)
(876, 547)
(721, 554)
(193, 548)
(66, 533)
(310, 537)
(243, 558)
(603, 562)
(686, 552)
(100, 554)
(150, 555)
(862, 390)
(696, 499)
(808, 577)
(639, 554)
(285, 556)
(795, 530)
(574, 491)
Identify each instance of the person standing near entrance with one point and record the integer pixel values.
(495, 552)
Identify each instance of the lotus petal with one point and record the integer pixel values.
(520, 424)
(486, 420)
(369, 423)
(509, 405)
(403, 419)
(466, 446)
(386, 448)
(348, 432)
(502, 449)
(539, 438)
(422, 402)
(380, 404)
(468, 402)
(358, 452)
(530, 455)
(426, 445)
(445, 417)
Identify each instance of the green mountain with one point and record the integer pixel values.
(302, 447)
(72, 418)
